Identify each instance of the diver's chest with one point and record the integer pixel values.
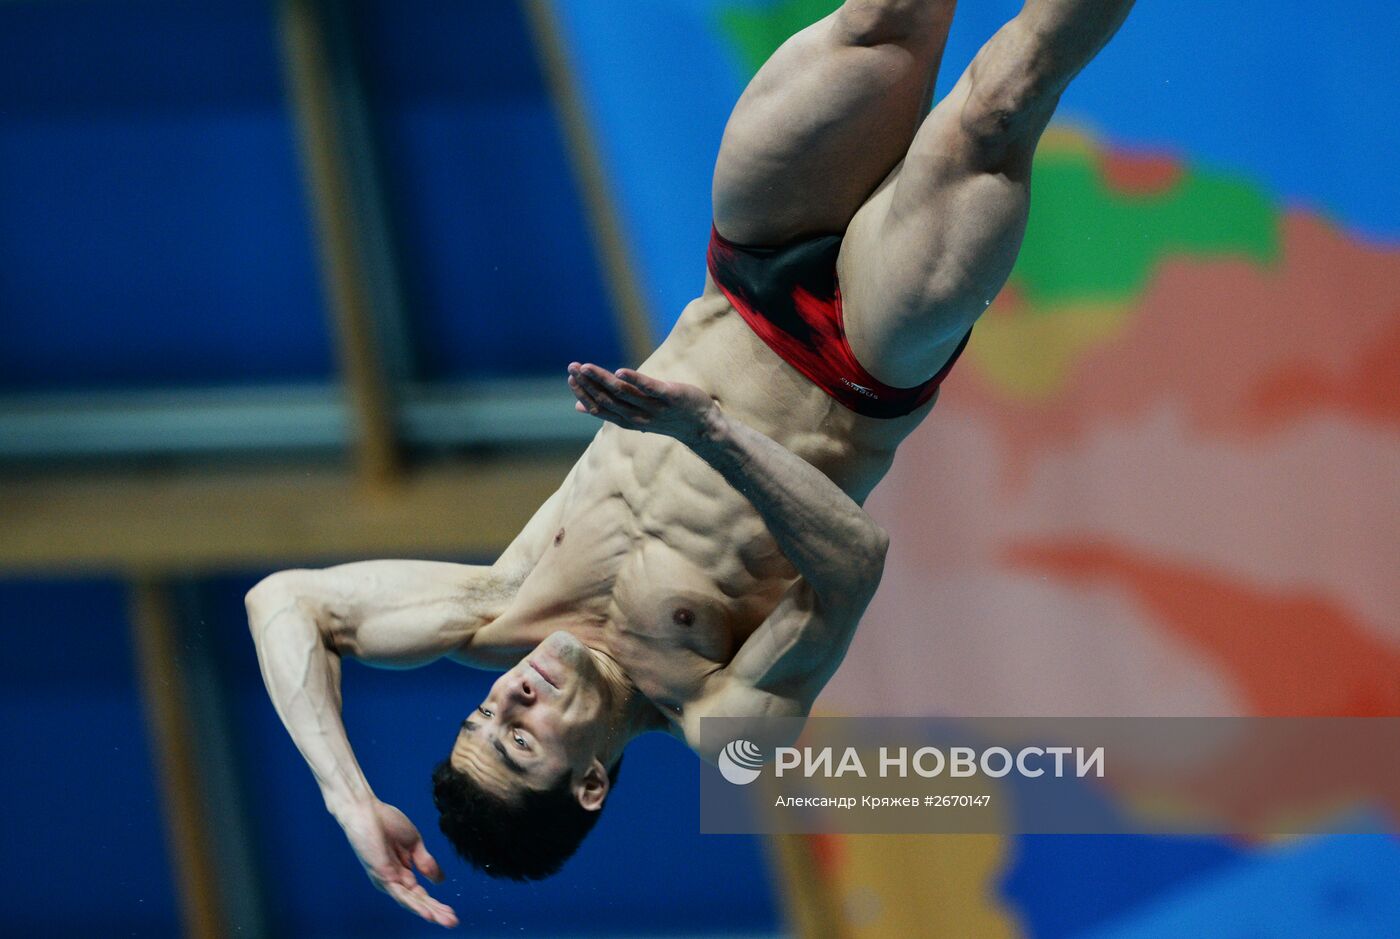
(663, 611)
(670, 645)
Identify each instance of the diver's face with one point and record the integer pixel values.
(542, 718)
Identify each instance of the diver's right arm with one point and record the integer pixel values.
(394, 613)
(398, 614)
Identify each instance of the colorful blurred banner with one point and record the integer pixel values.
(1165, 479)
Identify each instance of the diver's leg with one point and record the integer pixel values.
(928, 253)
(826, 118)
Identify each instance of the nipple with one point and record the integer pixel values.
(683, 617)
(559, 537)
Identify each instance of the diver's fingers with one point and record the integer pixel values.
(606, 398)
(585, 400)
(416, 900)
(616, 385)
(427, 865)
(651, 387)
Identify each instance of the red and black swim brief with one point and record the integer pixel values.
(789, 296)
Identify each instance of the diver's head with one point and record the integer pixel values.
(534, 763)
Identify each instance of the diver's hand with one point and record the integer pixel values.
(390, 848)
(639, 402)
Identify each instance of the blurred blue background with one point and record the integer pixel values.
(156, 234)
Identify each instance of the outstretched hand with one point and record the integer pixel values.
(390, 847)
(639, 402)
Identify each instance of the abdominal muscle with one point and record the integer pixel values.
(660, 562)
(711, 346)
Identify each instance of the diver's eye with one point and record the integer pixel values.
(520, 741)
(484, 712)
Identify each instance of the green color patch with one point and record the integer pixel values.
(1087, 242)
(757, 32)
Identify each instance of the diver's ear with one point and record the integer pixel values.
(591, 789)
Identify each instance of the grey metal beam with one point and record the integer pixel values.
(292, 420)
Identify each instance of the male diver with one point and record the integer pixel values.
(708, 554)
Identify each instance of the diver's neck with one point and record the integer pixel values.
(503, 642)
(631, 713)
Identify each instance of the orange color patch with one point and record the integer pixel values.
(1209, 334)
(1140, 174)
(1010, 302)
(1291, 654)
(826, 853)
(1368, 390)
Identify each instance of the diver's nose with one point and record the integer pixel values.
(523, 690)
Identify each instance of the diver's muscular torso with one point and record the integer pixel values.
(654, 558)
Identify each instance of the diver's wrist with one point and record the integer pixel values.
(712, 429)
(346, 802)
